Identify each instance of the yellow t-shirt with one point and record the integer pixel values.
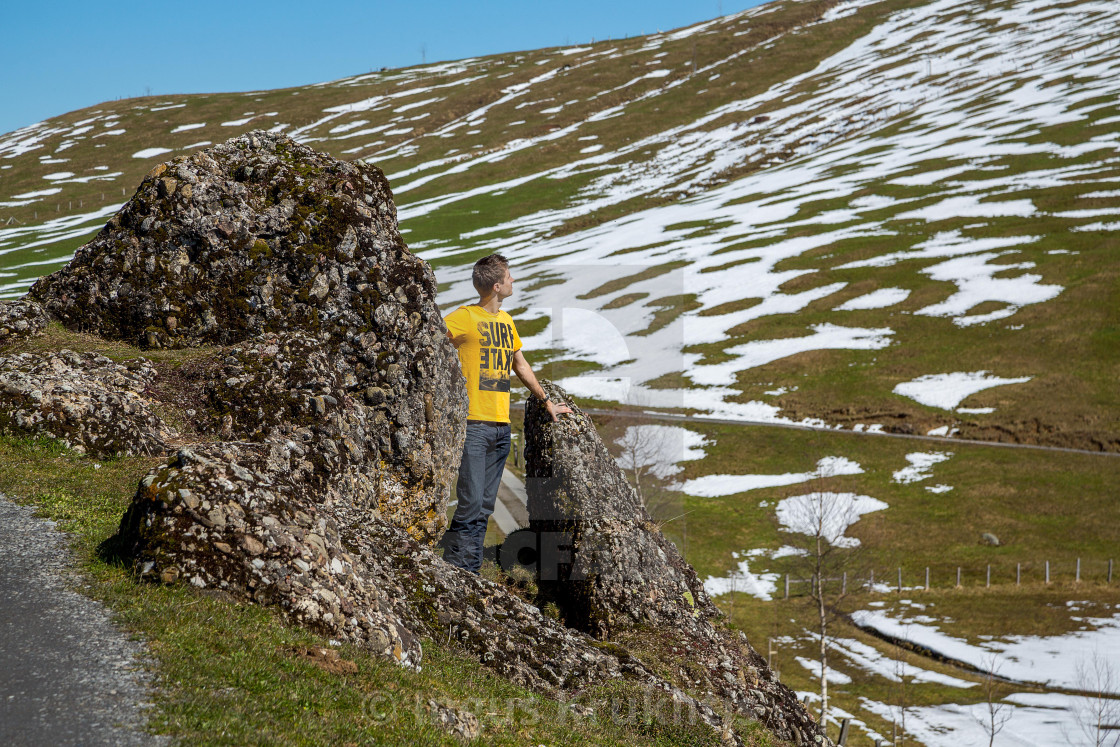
(486, 344)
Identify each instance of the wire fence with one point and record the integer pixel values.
(1021, 574)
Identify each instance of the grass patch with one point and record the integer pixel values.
(617, 284)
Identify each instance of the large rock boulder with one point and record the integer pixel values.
(258, 234)
(292, 260)
(223, 517)
(620, 579)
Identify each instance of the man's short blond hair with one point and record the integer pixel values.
(488, 271)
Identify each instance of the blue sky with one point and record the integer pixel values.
(60, 56)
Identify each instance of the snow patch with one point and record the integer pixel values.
(879, 299)
(831, 513)
(714, 486)
(1050, 660)
(948, 390)
(761, 586)
(921, 464)
(659, 448)
(150, 152)
(37, 193)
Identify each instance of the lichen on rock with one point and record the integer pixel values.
(85, 400)
(21, 319)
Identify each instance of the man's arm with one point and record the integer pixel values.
(521, 368)
(458, 327)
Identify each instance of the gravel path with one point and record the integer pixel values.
(68, 676)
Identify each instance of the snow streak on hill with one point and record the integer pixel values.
(939, 101)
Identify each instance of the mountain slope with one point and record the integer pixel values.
(888, 214)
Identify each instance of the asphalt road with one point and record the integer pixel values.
(68, 676)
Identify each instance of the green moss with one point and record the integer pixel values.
(260, 250)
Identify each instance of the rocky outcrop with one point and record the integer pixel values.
(20, 320)
(292, 260)
(232, 518)
(324, 410)
(85, 400)
(620, 577)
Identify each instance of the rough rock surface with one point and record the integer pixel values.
(21, 319)
(624, 575)
(85, 400)
(258, 239)
(242, 526)
(288, 389)
(258, 234)
(231, 519)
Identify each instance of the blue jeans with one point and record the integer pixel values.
(480, 473)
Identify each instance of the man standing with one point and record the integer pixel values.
(489, 348)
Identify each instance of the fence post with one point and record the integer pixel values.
(958, 577)
(927, 578)
(871, 583)
(787, 586)
(988, 580)
(1077, 577)
(900, 580)
(1018, 573)
(844, 583)
(1047, 571)
(845, 724)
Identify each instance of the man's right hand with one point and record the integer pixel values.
(556, 410)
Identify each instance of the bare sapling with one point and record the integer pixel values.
(996, 712)
(819, 519)
(1097, 716)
